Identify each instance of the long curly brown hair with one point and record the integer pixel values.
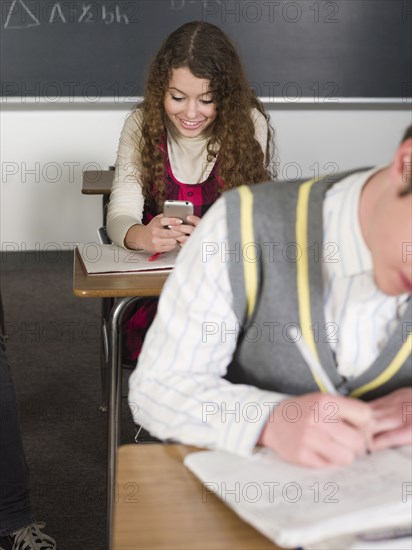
(208, 53)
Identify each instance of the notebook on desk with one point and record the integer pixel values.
(301, 507)
(106, 259)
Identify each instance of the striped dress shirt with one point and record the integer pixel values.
(178, 391)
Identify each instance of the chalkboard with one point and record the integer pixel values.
(324, 51)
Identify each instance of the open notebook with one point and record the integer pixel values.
(296, 506)
(99, 259)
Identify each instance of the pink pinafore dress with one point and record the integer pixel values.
(202, 195)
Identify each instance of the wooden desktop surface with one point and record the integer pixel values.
(117, 285)
(97, 182)
(160, 504)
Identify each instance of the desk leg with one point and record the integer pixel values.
(115, 376)
(115, 399)
(107, 306)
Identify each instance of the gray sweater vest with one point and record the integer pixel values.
(275, 270)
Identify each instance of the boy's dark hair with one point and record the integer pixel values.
(408, 134)
(408, 187)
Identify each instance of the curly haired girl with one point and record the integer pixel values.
(199, 131)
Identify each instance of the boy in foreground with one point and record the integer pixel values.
(327, 263)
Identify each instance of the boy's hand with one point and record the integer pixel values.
(392, 419)
(318, 430)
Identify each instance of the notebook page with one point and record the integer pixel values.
(296, 506)
(109, 258)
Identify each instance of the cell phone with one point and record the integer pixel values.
(178, 209)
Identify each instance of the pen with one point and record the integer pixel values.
(154, 256)
(386, 534)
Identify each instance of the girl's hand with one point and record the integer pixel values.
(392, 419)
(187, 230)
(159, 235)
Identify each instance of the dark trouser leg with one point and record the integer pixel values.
(15, 509)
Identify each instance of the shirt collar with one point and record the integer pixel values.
(342, 211)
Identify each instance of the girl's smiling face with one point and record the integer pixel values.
(189, 103)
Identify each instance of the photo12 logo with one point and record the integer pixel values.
(271, 11)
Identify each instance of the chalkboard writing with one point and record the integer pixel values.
(20, 16)
(323, 51)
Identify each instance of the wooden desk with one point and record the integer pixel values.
(97, 182)
(128, 289)
(160, 505)
(115, 286)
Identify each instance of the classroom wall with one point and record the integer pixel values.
(45, 148)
